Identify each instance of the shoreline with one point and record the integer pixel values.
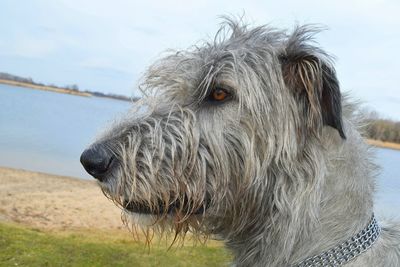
(44, 88)
(382, 144)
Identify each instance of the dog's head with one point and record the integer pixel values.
(224, 131)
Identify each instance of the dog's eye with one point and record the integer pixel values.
(219, 94)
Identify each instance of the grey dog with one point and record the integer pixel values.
(247, 138)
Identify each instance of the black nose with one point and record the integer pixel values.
(97, 161)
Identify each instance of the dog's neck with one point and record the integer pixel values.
(346, 206)
(347, 199)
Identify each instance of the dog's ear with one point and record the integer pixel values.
(309, 74)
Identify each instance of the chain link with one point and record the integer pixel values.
(347, 250)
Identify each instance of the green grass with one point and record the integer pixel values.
(21, 246)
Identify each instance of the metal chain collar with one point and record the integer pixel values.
(347, 250)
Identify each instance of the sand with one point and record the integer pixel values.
(55, 202)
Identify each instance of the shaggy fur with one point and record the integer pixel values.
(277, 170)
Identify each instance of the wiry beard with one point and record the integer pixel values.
(166, 170)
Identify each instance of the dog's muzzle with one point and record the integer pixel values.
(97, 161)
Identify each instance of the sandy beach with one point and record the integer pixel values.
(54, 202)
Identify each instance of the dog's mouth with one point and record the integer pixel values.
(161, 208)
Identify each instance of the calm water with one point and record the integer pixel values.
(388, 185)
(45, 131)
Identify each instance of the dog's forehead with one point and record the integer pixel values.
(186, 74)
(260, 41)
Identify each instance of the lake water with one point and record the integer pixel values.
(46, 131)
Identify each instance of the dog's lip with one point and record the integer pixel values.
(137, 207)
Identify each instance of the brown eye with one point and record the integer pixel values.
(219, 94)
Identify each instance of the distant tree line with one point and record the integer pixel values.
(114, 96)
(383, 129)
(72, 87)
(10, 77)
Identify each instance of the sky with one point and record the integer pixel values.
(107, 45)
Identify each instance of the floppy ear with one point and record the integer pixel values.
(310, 76)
